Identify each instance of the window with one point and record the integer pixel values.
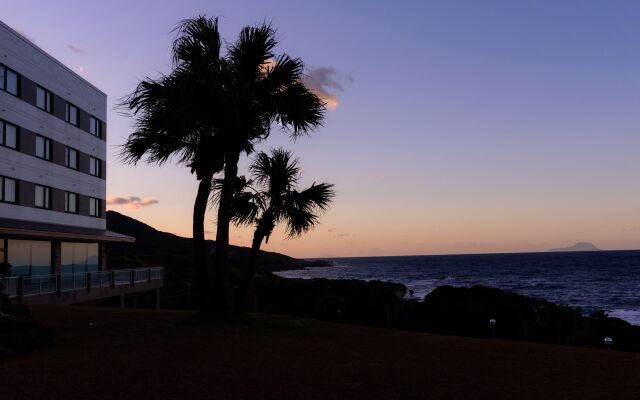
(79, 257)
(95, 126)
(94, 207)
(9, 80)
(43, 99)
(71, 158)
(94, 166)
(43, 197)
(8, 190)
(71, 202)
(29, 257)
(43, 148)
(8, 135)
(72, 114)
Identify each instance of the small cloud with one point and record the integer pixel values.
(208, 232)
(75, 49)
(341, 235)
(80, 69)
(132, 202)
(326, 83)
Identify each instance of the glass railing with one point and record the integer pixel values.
(27, 286)
(10, 286)
(38, 284)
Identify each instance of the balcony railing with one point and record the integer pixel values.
(36, 285)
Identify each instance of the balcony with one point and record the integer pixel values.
(81, 287)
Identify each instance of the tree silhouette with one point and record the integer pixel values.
(271, 198)
(208, 111)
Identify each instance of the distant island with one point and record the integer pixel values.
(580, 246)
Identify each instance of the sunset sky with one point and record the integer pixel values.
(455, 126)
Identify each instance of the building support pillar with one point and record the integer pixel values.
(102, 255)
(56, 250)
(158, 299)
(121, 301)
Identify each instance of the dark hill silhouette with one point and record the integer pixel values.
(154, 246)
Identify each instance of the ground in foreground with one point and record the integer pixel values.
(114, 353)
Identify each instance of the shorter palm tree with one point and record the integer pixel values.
(271, 198)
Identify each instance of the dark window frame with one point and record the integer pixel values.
(97, 206)
(66, 202)
(48, 191)
(95, 124)
(96, 164)
(5, 79)
(48, 99)
(3, 138)
(67, 114)
(48, 148)
(16, 190)
(67, 152)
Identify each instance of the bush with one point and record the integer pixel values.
(446, 310)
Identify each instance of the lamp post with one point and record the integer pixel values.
(188, 295)
(608, 341)
(492, 324)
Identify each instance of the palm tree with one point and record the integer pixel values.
(212, 108)
(174, 119)
(275, 200)
(264, 90)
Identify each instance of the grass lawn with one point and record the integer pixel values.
(139, 354)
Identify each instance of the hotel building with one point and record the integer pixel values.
(53, 151)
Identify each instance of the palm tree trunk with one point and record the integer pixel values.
(202, 278)
(222, 298)
(252, 267)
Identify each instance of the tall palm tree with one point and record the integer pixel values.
(271, 198)
(264, 90)
(212, 108)
(175, 118)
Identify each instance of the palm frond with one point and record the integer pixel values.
(301, 210)
(298, 109)
(253, 49)
(197, 41)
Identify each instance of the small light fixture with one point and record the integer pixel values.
(492, 324)
(608, 341)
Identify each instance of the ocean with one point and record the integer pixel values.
(602, 280)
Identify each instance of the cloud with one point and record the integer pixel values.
(132, 202)
(341, 235)
(75, 49)
(80, 69)
(326, 82)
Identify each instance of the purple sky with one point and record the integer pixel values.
(461, 126)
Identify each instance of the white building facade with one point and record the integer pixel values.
(52, 164)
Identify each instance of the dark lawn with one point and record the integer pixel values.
(140, 354)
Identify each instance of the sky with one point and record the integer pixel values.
(454, 126)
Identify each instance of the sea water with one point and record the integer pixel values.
(602, 280)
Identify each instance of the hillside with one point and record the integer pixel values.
(154, 245)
